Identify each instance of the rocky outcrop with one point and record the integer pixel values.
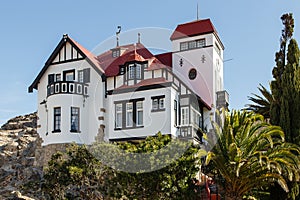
(18, 143)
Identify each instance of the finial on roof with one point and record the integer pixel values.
(65, 36)
(139, 38)
(117, 34)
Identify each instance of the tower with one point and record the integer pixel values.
(198, 60)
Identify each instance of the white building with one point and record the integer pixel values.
(127, 93)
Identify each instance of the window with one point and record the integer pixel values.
(80, 76)
(118, 115)
(122, 70)
(192, 74)
(134, 71)
(69, 75)
(138, 71)
(58, 77)
(131, 72)
(139, 113)
(158, 103)
(57, 119)
(129, 114)
(184, 46)
(154, 104)
(175, 113)
(161, 103)
(196, 118)
(184, 116)
(200, 43)
(192, 44)
(74, 119)
(116, 53)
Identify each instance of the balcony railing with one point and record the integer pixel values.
(187, 132)
(67, 87)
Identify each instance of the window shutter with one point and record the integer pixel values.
(86, 75)
(50, 79)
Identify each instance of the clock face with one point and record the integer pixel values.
(192, 74)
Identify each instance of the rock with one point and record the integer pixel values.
(18, 142)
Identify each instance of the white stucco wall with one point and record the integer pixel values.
(89, 107)
(153, 121)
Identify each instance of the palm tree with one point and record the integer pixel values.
(251, 154)
(262, 104)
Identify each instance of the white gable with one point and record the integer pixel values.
(67, 53)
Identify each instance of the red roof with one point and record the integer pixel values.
(194, 28)
(165, 58)
(153, 81)
(132, 52)
(88, 54)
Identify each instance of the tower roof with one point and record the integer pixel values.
(194, 28)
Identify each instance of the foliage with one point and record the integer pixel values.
(284, 106)
(157, 175)
(78, 170)
(261, 103)
(250, 154)
(74, 174)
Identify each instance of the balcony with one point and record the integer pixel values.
(222, 99)
(67, 87)
(187, 132)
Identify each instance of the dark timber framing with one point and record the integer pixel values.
(56, 52)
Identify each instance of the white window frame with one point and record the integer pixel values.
(80, 76)
(119, 115)
(184, 119)
(75, 119)
(195, 118)
(139, 113)
(129, 114)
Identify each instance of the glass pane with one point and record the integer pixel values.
(80, 76)
(138, 71)
(70, 76)
(154, 104)
(129, 115)
(139, 118)
(161, 103)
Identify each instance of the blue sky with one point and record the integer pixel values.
(30, 30)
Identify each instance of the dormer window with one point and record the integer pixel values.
(134, 71)
(115, 53)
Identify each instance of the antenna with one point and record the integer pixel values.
(118, 33)
(139, 38)
(197, 11)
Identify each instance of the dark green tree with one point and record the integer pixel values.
(284, 109)
(278, 70)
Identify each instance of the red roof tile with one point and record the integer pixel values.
(137, 52)
(153, 81)
(194, 28)
(165, 58)
(88, 54)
